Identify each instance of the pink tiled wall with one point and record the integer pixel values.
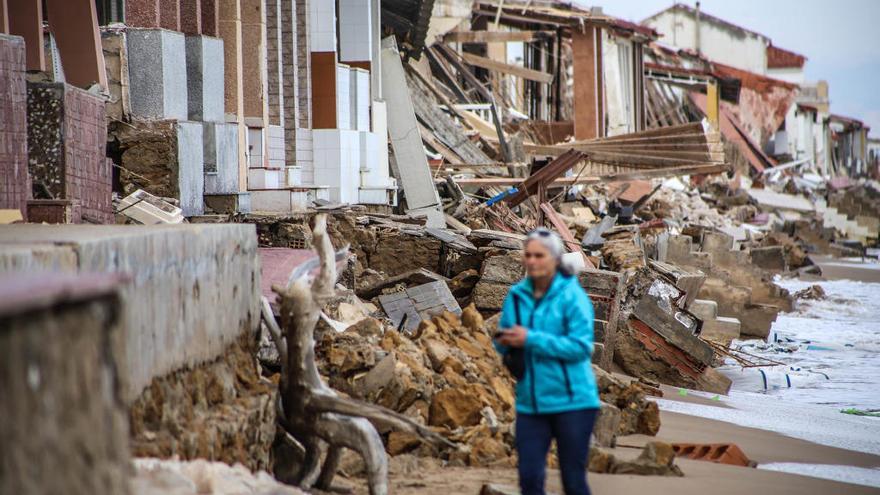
(15, 187)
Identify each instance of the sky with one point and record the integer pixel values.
(840, 38)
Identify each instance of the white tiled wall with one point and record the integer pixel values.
(355, 31)
(337, 163)
(361, 99)
(276, 146)
(305, 155)
(343, 97)
(322, 27)
(264, 178)
(255, 147)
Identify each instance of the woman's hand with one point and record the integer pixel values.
(513, 337)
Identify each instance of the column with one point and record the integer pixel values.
(142, 13)
(289, 76)
(210, 17)
(589, 113)
(4, 17)
(191, 17)
(229, 28)
(169, 14)
(26, 20)
(75, 26)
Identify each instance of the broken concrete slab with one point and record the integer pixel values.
(146, 209)
(403, 130)
(721, 329)
(677, 327)
(410, 279)
(770, 258)
(408, 308)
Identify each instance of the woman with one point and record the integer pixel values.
(549, 319)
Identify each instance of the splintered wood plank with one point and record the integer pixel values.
(573, 245)
(515, 70)
(495, 36)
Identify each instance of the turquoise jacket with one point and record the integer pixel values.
(559, 376)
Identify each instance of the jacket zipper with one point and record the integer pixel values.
(532, 358)
(562, 364)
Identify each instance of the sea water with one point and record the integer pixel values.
(830, 348)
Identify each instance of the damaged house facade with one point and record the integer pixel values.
(788, 118)
(293, 114)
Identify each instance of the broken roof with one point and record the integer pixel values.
(779, 58)
(732, 130)
(562, 14)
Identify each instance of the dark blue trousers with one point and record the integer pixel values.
(572, 432)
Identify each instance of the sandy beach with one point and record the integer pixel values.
(744, 418)
(425, 477)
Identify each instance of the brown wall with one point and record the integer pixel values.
(26, 20)
(324, 90)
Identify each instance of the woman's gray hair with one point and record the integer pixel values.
(553, 243)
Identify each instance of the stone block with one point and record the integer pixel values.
(714, 242)
(769, 258)
(157, 74)
(722, 330)
(229, 203)
(704, 309)
(221, 158)
(757, 319)
(190, 167)
(506, 268)
(204, 78)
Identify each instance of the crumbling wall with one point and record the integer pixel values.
(379, 248)
(220, 410)
(164, 158)
(63, 427)
(194, 288)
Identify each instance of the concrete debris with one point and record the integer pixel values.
(814, 292)
(142, 207)
(656, 459)
(200, 477)
(447, 375)
(408, 308)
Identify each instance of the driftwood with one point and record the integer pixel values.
(312, 413)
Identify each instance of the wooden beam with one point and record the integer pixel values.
(706, 168)
(566, 235)
(514, 70)
(495, 36)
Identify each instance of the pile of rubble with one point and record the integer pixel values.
(447, 374)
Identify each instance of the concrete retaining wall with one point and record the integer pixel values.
(64, 428)
(193, 289)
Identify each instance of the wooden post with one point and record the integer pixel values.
(712, 103)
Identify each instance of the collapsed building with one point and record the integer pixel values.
(434, 135)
